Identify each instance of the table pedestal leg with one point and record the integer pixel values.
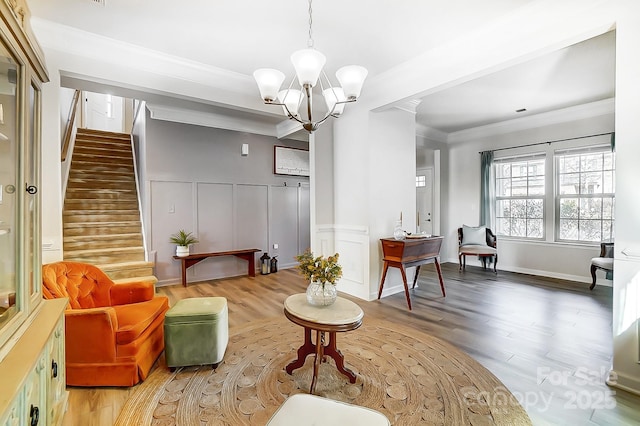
(333, 351)
(318, 360)
(307, 348)
(320, 350)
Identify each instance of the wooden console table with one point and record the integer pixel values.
(407, 253)
(192, 259)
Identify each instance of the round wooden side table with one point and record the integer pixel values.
(342, 316)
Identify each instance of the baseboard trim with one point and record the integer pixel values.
(630, 384)
(546, 274)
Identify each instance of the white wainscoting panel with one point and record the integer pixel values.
(325, 239)
(171, 210)
(251, 215)
(215, 232)
(353, 245)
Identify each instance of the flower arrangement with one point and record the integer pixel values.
(320, 269)
(183, 238)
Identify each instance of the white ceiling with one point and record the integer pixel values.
(242, 35)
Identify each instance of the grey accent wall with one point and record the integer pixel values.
(198, 180)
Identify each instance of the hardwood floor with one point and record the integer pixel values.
(549, 341)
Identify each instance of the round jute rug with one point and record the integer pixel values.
(409, 376)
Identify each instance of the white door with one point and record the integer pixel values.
(103, 112)
(424, 200)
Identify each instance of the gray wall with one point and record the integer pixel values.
(196, 179)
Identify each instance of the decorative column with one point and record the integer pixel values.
(374, 162)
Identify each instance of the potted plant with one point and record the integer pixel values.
(183, 240)
(322, 273)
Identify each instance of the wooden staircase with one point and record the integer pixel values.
(101, 217)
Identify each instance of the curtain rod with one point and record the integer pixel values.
(548, 142)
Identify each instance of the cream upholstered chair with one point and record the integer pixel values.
(604, 262)
(477, 241)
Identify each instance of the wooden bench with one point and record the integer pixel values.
(192, 259)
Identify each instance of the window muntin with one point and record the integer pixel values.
(421, 181)
(585, 195)
(520, 192)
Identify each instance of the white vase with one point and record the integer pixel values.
(321, 295)
(398, 233)
(182, 251)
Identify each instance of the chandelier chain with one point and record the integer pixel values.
(310, 42)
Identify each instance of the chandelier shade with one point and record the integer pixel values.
(352, 78)
(308, 64)
(269, 82)
(291, 101)
(332, 96)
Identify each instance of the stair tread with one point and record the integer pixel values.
(110, 154)
(103, 224)
(102, 148)
(107, 211)
(106, 191)
(77, 173)
(89, 175)
(105, 251)
(92, 177)
(86, 138)
(103, 151)
(82, 162)
(137, 263)
(102, 236)
(100, 201)
(86, 130)
(98, 211)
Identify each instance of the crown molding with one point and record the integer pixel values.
(169, 73)
(579, 112)
(72, 40)
(209, 119)
(430, 133)
(287, 129)
(409, 105)
(219, 121)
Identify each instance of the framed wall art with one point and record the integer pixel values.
(290, 161)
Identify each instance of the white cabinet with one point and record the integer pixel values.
(32, 383)
(34, 393)
(56, 383)
(12, 415)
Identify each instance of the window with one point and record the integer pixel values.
(585, 194)
(520, 192)
(421, 181)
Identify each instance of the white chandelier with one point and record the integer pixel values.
(308, 65)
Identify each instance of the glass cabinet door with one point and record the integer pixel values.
(10, 193)
(32, 178)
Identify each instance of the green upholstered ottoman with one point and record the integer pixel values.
(196, 331)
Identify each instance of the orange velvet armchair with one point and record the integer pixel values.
(114, 332)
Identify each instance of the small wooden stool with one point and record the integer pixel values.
(196, 332)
